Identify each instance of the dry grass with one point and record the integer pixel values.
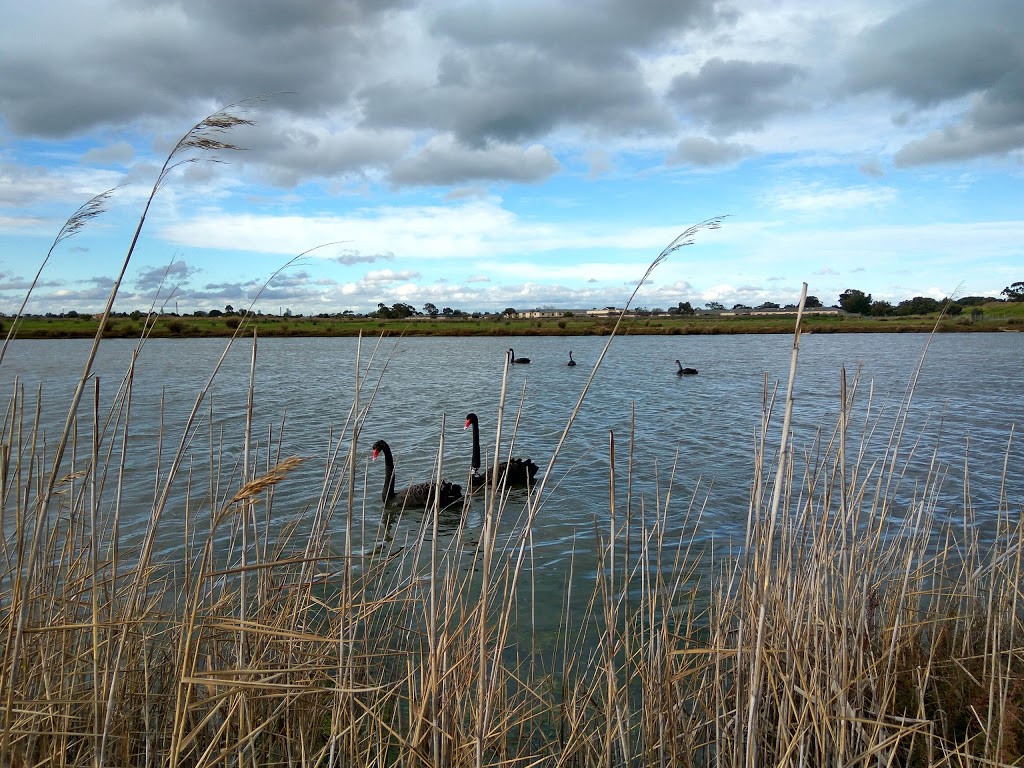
(847, 629)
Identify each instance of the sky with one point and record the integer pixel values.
(483, 155)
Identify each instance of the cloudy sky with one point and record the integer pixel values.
(480, 155)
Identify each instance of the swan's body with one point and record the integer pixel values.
(515, 471)
(513, 359)
(571, 361)
(685, 371)
(418, 495)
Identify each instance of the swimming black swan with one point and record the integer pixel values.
(571, 361)
(513, 359)
(516, 471)
(418, 495)
(685, 371)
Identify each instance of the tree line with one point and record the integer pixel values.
(858, 302)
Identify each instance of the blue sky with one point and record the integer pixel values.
(484, 155)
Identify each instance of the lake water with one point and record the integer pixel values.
(970, 394)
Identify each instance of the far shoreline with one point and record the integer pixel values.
(1004, 317)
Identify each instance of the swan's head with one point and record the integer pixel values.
(470, 420)
(379, 447)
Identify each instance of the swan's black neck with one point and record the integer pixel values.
(388, 492)
(476, 446)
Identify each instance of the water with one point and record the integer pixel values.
(694, 434)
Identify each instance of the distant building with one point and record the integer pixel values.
(542, 313)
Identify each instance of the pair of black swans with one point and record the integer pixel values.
(515, 471)
(523, 360)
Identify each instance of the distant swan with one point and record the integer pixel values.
(514, 471)
(685, 371)
(513, 359)
(418, 495)
(571, 361)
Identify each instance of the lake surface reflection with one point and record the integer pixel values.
(693, 435)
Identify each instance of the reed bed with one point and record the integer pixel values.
(850, 627)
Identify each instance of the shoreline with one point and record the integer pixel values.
(173, 326)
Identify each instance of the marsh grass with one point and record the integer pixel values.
(849, 627)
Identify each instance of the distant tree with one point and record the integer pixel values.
(509, 311)
(214, 313)
(715, 306)
(1014, 291)
(919, 305)
(684, 308)
(855, 301)
(430, 309)
(740, 306)
(401, 310)
(882, 309)
(447, 311)
(812, 302)
(975, 301)
(383, 310)
(769, 305)
(71, 313)
(228, 309)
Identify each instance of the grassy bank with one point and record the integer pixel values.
(996, 316)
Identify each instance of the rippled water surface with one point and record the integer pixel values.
(697, 431)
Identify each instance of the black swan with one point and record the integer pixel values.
(571, 361)
(418, 495)
(513, 472)
(513, 359)
(685, 371)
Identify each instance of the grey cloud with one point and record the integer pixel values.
(181, 63)
(704, 152)
(942, 50)
(118, 153)
(962, 142)
(156, 277)
(872, 168)
(597, 30)
(350, 257)
(444, 162)
(939, 50)
(290, 154)
(385, 276)
(514, 94)
(731, 96)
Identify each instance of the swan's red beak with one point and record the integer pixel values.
(468, 422)
(375, 452)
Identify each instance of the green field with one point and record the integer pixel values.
(995, 316)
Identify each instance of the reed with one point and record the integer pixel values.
(847, 628)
